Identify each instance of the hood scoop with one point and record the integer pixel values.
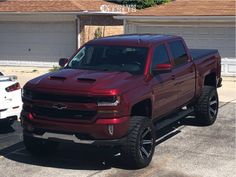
(57, 78)
(88, 80)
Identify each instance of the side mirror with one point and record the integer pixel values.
(162, 68)
(63, 61)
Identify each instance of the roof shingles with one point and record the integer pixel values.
(50, 5)
(175, 8)
(191, 8)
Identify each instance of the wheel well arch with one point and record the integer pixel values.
(210, 79)
(142, 108)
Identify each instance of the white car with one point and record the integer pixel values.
(10, 99)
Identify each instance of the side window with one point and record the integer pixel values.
(179, 53)
(83, 56)
(160, 56)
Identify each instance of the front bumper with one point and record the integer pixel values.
(101, 129)
(13, 111)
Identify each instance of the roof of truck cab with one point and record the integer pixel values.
(132, 39)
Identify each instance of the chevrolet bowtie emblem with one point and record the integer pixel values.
(59, 106)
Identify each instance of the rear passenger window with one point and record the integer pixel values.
(160, 56)
(179, 53)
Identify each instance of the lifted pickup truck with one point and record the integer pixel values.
(113, 91)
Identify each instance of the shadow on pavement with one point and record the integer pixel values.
(191, 121)
(82, 157)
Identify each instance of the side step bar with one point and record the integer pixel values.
(165, 121)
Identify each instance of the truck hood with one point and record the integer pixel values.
(86, 81)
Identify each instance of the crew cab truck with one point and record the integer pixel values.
(115, 90)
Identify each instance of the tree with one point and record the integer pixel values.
(140, 4)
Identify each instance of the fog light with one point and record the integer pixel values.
(111, 129)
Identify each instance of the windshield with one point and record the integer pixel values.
(110, 58)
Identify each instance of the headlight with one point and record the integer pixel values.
(108, 101)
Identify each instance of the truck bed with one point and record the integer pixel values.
(200, 53)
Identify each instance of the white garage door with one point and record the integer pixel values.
(37, 42)
(221, 38)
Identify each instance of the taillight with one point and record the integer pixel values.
(13, 87)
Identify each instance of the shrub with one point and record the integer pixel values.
(141, 4)
(55, 68)
(98, 33)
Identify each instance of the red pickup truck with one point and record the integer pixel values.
(113, 91)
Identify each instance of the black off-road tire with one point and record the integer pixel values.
(6, 124)
(141, 131)
(206, 108)
(39, 147)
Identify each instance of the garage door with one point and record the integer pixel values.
(220, 38)
(36, 42)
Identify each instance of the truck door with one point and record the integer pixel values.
(183, 70)
(163, 84)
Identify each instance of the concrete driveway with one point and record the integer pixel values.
(183, 150)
